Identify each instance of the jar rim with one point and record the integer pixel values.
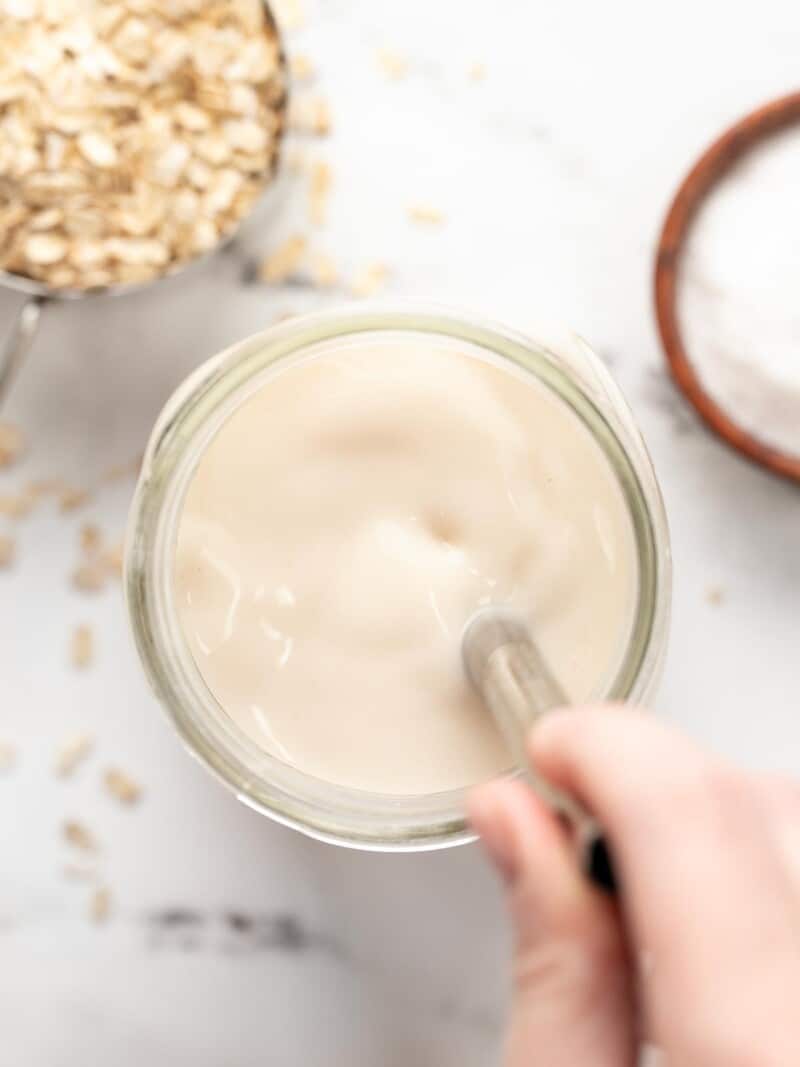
(324, 810)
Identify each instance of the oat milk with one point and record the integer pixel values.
(347, 520)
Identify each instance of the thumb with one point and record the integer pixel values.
(572, 999)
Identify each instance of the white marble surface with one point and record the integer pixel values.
(554, 173)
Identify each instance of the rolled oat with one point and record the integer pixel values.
(284, 261)
(392, 64)
(370, 280)
(311, 114)
(7, 550)
(109, 112)
(81, 647)
(319, 188)
(100, 904)
(122, 787)
(426, 214)
(71, 754)
(301, 67)
(76, 834)
(8, 756)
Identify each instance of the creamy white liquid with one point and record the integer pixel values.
(347, 520)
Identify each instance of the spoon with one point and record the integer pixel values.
(506, 667)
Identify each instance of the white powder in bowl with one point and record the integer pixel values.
(739, 292)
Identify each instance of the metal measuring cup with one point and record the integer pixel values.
(37, 294)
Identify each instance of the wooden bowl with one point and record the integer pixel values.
(699, 182)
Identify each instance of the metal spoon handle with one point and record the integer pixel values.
(518, 688)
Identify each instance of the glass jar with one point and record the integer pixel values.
(191, 418)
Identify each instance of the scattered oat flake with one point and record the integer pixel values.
(311, 114)
(71, 754)
(72, 498)
(8, 756)
(319, 188)
(113, 558)
(715, 595)
(12, 443)
(89, 577)
(301, 67)
(289, 13)
(121, 786)
(7, 550)
(370, 280)
(476, 72)
(81, 647)
(323, 270)
(100, 904)
(392, 64)
(17, 505)
(90, 538)
(76, 834)
(284, 261)
(426, 213)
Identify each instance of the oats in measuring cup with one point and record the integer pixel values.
(133, 136)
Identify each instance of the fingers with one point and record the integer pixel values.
(606, 756)
(705, 892)
(571, 1001)
(780, 797)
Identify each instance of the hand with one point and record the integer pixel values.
(702, 947)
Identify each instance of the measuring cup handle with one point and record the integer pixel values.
(19, 340)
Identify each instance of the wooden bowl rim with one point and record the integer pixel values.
(713, 165)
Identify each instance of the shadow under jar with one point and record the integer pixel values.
(582, 397)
